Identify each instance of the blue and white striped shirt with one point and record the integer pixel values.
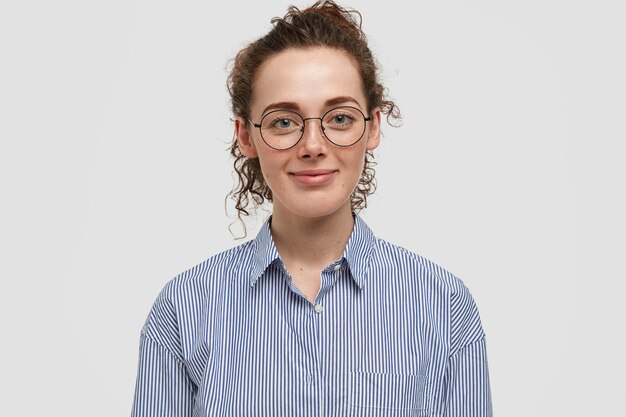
(390, 334)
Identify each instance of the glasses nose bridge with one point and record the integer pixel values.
(304, 120)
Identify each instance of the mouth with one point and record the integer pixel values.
(314, 176)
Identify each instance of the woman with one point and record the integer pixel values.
(315, 316)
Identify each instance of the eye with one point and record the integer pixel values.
(282, 123)
(341, 119)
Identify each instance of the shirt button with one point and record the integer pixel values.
(318, 308)
(337, 267)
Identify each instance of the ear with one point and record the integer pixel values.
(244, 139)
(373, 137)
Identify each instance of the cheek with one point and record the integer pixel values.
(270, 168)
(356, 163)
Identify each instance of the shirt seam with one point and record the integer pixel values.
(465, 346)
(163, 347)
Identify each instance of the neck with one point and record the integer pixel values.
(311, 241)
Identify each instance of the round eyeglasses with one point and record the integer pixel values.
(283, 129)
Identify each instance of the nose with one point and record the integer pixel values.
(313, 142)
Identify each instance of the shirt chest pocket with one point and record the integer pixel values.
(390, 395)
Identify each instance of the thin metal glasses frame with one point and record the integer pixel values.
(258, 125)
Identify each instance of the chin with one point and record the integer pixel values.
(315, 209)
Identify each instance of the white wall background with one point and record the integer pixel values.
(508, 171)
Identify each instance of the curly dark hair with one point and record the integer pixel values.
(324, 24)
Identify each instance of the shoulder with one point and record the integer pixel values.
(184, 297)
(210, 273)
(433, 284)
(417, 267)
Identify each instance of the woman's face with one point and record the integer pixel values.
(314, 178)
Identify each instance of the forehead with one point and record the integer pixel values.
(308, 78)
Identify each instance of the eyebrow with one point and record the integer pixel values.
(290, 105)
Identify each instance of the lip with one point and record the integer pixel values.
(314, 176)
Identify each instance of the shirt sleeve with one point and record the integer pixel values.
(163, 386)
(467, 390)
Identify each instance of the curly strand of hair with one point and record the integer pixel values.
(366, 184)
(251, 189)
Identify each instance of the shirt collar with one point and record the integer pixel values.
(265, 252)
(357, 254)
(359, 250)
